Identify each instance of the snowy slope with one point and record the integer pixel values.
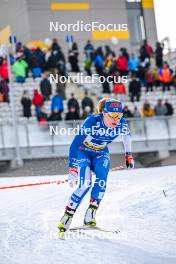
(134, 203)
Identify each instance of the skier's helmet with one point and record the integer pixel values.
(114, 108)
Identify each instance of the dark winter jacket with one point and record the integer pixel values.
(55, 117)
(87, 101)
(135, 87)
(127, 113)
(72, 116)
(170, 109)
(26, 103)
(4, 89)
(45, 87)
(72, 102)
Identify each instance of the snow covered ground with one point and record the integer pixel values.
(134, 203)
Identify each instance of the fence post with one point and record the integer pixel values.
(19, 161)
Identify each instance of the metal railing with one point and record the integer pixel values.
(54, 138)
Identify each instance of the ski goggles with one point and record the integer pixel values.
(114, 114)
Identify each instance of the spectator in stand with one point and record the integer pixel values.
(159, 54)
(122, 64)
(109, 62)
(146, 51)
(86, 112)
(72, 114)
(20, 68)
(134, 89)
(120, 90)
(26, 104)
(73, 58)
(4, 69)
(73, 102)
(61, 86)
(141, 75)
(55, 45)
(87, 65)
(133, 64)
(105, 83)
(45, 87)
(98, 61)
(1, 59)
(125, 53)
(148, 48)
(61, 63)
(37, 100)
(27, 55)
(4, 89)
(99, 50)
(89, 50)
(113, 67)
(56, 60)
(19, 47)
(165, 76)
(52, 62)
(55, 116)
(156, 77)
(160, 108)
(136, 112)
(110, 59)
(149, 79)
(35, 67)
(41, 58)
(169, 107)
(126, 112)
(87, 101)
(42, 118)
(147, 110)
(108, 52)
(57, 103)
(59, 55)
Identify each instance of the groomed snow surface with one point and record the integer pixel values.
(134, 203)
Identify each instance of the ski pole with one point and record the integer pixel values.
(117, 168)
(47, 182)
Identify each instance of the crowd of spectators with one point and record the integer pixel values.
(139, 69)
(160, 109)
(78, 111)
(57, 107)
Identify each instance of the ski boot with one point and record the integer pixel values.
(65, 221)
(89, 219)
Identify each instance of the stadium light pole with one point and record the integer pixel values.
(19, 161)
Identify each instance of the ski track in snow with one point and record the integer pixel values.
(134, 203)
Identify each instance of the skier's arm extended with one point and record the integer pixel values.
(128, 155)
(127, 143)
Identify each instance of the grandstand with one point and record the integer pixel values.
(95, 91)
(33, 139)
(40, 114)
(35, 142)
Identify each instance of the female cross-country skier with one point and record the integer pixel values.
(89, 153)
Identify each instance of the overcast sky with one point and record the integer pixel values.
(165, 12)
